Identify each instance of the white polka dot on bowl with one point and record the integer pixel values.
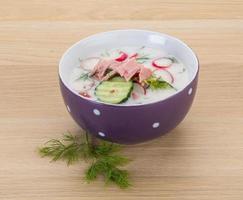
(101, 134)
(96, 112)
(68, 109)
(155, 125)
(190, 91)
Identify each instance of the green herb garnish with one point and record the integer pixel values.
(84, 76)
(102, 157)
(158, 83)
(142, 59)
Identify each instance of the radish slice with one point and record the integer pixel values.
(138, 88)
(123, 56)
(162, 63)
(135, 95)
(133, 55)
(83, 85)
(88, 64)
(171, 76)
(165, 75)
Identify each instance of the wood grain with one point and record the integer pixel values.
(120, 9)
(201, 159)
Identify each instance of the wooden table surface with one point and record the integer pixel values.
(201, 159)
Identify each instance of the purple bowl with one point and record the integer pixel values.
(128, 124)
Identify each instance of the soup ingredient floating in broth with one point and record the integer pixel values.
(114, 91)
(163, 62)
(105, 69)
(122, 57)
(129, 76)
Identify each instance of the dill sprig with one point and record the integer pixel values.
(103, 157)
(84, 76)
(158, 83)
(142, 59)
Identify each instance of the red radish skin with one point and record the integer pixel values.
(122, 57)
(85, 94)
(155, 64)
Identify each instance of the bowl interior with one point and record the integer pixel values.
(118, 38)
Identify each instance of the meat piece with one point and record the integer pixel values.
(114, 65)
(101, 67)
(109, 75)
(96, 68)
(144, 74)
(128, 69)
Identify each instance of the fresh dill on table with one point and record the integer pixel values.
(102, 156)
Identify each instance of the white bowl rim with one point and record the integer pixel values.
(125, 30)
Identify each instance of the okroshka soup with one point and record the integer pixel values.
(128, 75)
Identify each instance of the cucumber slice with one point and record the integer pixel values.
(118, 79)
(114, 91)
